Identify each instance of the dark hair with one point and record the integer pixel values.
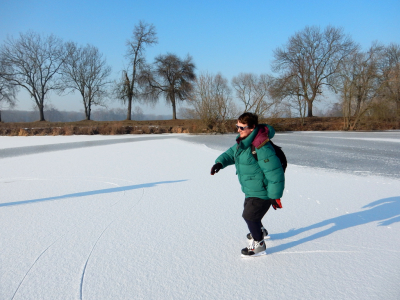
(249, 119)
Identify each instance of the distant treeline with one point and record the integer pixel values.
(313, 65)
(54, 115)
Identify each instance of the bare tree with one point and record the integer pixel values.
(391, 74)
(35, 62)
(127, 88)
(212, 101)
(170, 77)
(288, 88)
(8, 91)
(314, 57)
(85, 70)
(253, 91)
(360, 84)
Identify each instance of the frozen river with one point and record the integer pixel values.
(362, 153)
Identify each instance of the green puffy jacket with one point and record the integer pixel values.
(263, 178)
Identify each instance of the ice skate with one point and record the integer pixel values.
(264, 231)
(254, 249)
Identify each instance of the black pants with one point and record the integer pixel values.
(253, 212)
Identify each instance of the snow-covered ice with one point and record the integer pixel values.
(143, 219)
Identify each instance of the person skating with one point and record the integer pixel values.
(262, 180)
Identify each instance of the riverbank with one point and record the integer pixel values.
(182, 126)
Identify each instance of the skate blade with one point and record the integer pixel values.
(255, 255)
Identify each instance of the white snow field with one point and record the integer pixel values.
(145, 220)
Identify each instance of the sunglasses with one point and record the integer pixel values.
(241, 127)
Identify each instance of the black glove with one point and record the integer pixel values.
(215, 168)
(276, 203)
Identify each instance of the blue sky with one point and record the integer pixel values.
(222, 36)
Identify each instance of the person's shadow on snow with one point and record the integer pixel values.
(387, 211)
(90, 193)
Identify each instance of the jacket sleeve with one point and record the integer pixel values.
(273, 171)
(227, 158)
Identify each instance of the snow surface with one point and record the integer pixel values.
(145, 220)
(25, 141)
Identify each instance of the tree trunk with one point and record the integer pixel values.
(358, 107)
(86, 111)
(0, 116)
(355, 122)
(309, 108)
(346, 120)
(173, 108)
(345, 123)
(89, 111)
(129, 114)
(41, 112)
